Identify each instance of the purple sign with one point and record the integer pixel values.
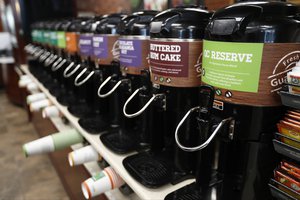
(130, 52)
(100, 44)
(86, 45)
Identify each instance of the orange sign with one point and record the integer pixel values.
(72, 42)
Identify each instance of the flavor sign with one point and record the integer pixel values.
(61, 40)
(53, 38)
(100, 46)
(231, 65)
(130, 52)
(169, 58)
(86, 45)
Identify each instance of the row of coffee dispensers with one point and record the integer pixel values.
(194, 92)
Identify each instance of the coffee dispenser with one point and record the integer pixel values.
(57, 41)
(83, 80)
(134, 52)
(40, 53)
(67, 39)
(105, 56)
(175, 60)
(95, 118)
(34, 49)
(248, 49)
(50, 56)
(54, 65)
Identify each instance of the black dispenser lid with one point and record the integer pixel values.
(138, 23)
(64, 26)
(246, 20)
(77, 24)
(181, 23)
(88, 25)
(109, 24)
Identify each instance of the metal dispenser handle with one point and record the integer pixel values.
(68, 74)
(113, 89)
(56, 63)
(43, 55)
(50, 55)
(55, 68)
(203, 145)
(38, 53)
(35, 50)
(84, 80)
(154, 96)
(51, 60)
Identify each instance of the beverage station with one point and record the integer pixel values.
(186, 103)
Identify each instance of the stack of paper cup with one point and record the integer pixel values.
(32, 88)
(83, 155)
(35, 97)
(50, 111)
(101, 182)
(37, 105)
(39, 146)
(24, 81)
(52, 142)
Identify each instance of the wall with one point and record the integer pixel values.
(102, 6)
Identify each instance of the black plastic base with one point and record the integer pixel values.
(55, 90)
(188, 192)
(149, 170)
(118, 141)
(94, 125)
(66, 99)
(80, 110)
(49, 83)
(193, 192)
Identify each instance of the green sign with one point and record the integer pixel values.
(232, 65)
(39, 36)
(46, 37)
(34, 35)
(53, 38)
(61, 39)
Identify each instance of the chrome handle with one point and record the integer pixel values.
(112, 90)
(66, 74)
(154, 96)
(55, 68)
(56, 63)
(207, 142)
(84, 80)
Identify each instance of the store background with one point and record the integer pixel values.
(37, 179)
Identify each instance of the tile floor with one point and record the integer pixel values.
(23, 178)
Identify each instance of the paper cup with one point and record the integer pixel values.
(52, 142)
(35, 97)
(50, 111)
(32, 88)
(39, 146)
(83, 155)
(24, 82)
(66, 138)
(37, 105)
(101, 182)
(23, 77)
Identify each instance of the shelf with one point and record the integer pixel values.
(286, 150)
(113, 159)
(290, 100)
(279, 193)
